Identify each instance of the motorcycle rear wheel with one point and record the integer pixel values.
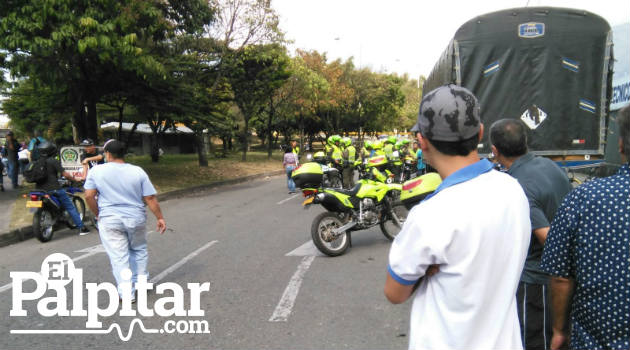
(389, 227)
(322, 226)
(43, 225)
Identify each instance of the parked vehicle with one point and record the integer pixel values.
(49, 213)
(550, 67)
(368, 204)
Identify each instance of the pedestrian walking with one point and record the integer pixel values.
(545, 186)
(289, 161)
(123, 190)
(10, 153)
(588, 254)
(464, 246)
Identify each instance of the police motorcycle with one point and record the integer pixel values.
(331, 175)
(368, 204)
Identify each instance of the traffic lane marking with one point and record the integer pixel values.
(288, 199)
(287, 301)
(181, 262)
(306, 249)
(89, 251)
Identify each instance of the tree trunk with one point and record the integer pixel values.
(130, 136)
(121, 110)
(155, 148)
(245, 139)
(269, 122)
(201, 153)
(91, 121)
(78, 121)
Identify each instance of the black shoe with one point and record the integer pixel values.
(84, 231)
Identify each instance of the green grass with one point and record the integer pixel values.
(177, 171)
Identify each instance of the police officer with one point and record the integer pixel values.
(349, 157)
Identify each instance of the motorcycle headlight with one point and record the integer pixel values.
(319, 197)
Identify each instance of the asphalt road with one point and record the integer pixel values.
(237, 238)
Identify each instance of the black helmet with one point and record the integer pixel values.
(47, 148)
(87, 142)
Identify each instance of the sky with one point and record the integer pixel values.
(402, 36)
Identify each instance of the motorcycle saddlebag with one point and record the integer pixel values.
(415, 190)
(377, 161)
(308, 175)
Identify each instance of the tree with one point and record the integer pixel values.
(255, 75)
(84, 46)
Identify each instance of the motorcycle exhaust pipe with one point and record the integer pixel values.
(338, 231)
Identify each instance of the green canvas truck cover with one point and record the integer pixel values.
(550, 67)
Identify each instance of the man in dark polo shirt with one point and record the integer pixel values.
(545, 186)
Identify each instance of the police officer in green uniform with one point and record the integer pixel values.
(295, 148)
(349, 156)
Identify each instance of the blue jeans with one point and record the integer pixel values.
(125, 241)
(290, 181)
(12, 172)
(67, 204)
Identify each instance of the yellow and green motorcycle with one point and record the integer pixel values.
(368, 204)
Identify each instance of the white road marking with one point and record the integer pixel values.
(178, 264)
(287, 301)
(89, 251)
(306, 249)
(288, 199)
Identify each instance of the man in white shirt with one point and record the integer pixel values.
(123, 190)
(468, 240)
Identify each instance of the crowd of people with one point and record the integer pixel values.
(16, 156)
(514, 259)
(341, 153)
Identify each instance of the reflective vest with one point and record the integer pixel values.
(296, 150)
(389, 150)
(336, 153)
(350, 154)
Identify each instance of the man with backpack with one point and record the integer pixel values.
(44, 172)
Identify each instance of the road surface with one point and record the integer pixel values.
(269, 287)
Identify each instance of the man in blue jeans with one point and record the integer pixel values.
(123, 189)
(51, 184)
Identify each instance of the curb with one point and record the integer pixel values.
(26, 232)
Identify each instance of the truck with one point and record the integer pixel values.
(550, 67)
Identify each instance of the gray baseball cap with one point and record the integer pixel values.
(448, 113)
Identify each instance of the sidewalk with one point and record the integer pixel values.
(7, 203)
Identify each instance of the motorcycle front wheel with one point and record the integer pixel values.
(322, 235)
(79, 204)
(393, 224)
(43, 225)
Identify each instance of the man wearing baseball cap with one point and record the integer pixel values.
(462, 248)
(123, 189)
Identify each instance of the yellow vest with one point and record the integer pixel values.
(336, 153)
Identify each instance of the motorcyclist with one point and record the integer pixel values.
(377, 147)
(349, 156)
(320, 157)
(51, 184)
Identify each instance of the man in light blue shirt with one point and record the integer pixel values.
(122, 190)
